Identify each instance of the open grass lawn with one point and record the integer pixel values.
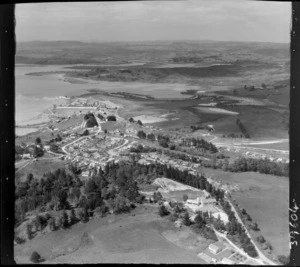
(114, 239)
(266, 199)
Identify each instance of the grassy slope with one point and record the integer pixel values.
(38, 168)
(261, 122)
(266, 199)
(114, 239)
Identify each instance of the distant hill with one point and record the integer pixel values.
(76, 52)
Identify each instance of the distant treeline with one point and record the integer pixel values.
(200, 144)
(172, 154)
(265, 166)
(243, 164)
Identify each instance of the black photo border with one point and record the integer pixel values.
(7, 128)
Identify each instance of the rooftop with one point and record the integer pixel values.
(217, 245)
(219, 256)
(250, 262)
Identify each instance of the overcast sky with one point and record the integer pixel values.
(223, 20)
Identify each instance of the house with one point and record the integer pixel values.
(26, 156)
(196, 201)
(178, 223)
(205, 257)
(222, 215)
(192, 218)
(208, 201)
(212, 257)
(216, 247)
(250, 262)
(227, 261)
(167, 205)
(85, 173)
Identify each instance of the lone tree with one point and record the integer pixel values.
(185, 197)
(35, 257)
(261, 239)
(58, 138)
(38, 152)
(162, 211)
(255, 227)
(263, 85)
(139, 122)
(186, 219)
(54, 147)
(38, 141)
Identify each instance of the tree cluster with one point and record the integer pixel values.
(142, 149)
(163, 140)
(90, 120)
(242, 128)
(200, 225)
(233, 135)
(111, 118)
(236, 231)
(199, 144)
(265, 166)
(244, 164)
(141, 134)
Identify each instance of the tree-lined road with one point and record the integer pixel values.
(262, 257)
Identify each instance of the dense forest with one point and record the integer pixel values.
(112, 189)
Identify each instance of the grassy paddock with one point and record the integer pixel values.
(136, 237)
(267, 204)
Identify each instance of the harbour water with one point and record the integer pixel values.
(35, 94)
